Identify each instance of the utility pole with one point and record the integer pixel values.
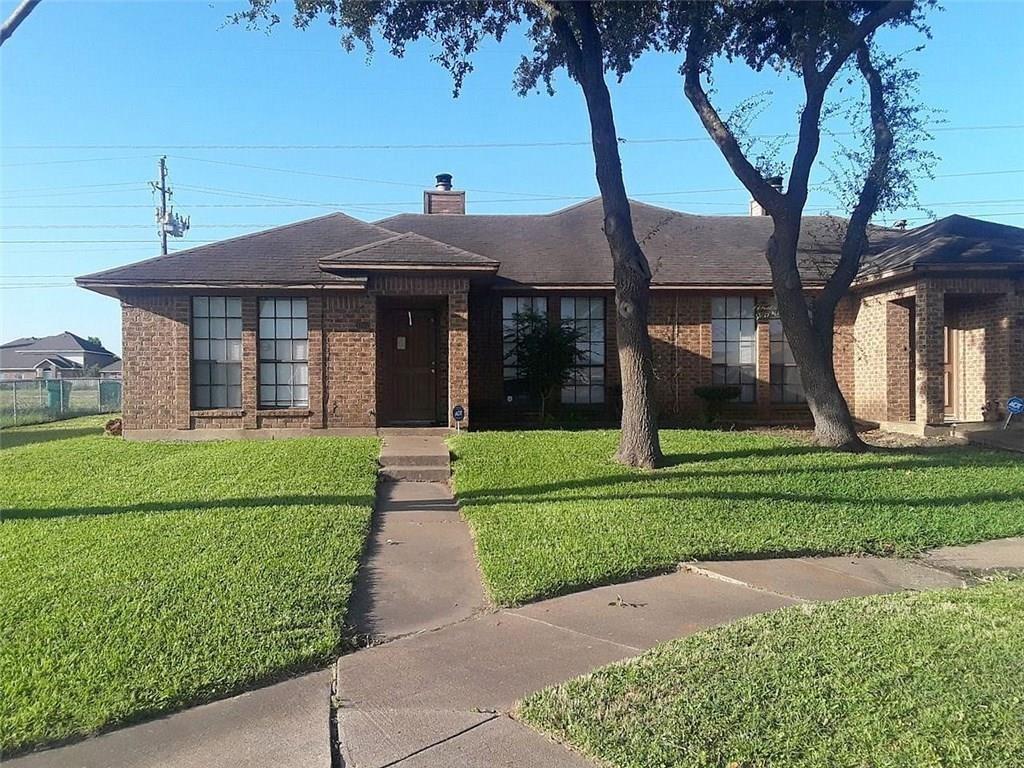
(167, 220)
(161, 216)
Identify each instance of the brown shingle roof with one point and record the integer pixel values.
(569, 247)
(566, 247)
(285, 255)
(952, 240)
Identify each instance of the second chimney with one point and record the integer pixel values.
(755, 207)
(442, 198)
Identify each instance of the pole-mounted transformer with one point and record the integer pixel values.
(168, 222)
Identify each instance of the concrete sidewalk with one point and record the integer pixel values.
(442, 697)
(285, 725)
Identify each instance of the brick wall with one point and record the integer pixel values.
(350, 361)
(897, 347)
(444, 201)
(680, 328)
(155, 348)
(881, 337)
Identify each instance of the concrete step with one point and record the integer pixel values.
(416, 473)
(414, 431)
(414, 459)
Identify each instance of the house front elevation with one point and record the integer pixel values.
(338, 324)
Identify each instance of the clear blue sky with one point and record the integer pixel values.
(152, 75)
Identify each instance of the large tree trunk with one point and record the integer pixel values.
(810, 335)
(639, 445)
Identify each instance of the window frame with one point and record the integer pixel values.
(728, 315)
(509, 371)
(230, 314)
(781, 363)
(292, 362)
(584, 379)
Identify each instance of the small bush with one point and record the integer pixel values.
(714, 399)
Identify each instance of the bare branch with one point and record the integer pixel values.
(815, 85)
(17, 16)
(855, 242)
(765, 194)
(856, 37)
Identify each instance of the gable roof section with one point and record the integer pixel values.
(568, 247)
(57, 361)
(21, 359)
(953, 241)
(408, 251)
(288, 255)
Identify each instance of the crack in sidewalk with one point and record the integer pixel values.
(433, 744)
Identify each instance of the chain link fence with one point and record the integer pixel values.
(34, 401)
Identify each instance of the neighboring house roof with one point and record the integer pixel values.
(114, 367)
(19, 359)
(408, 251)
(30, 352)
(566, 247)
(60, 342)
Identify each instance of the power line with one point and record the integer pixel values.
(463, 145)
(360, 179)
(40, 285)
(74, 186)
(149, 242)
(298, 203)
(79, 160)
(1005, 201)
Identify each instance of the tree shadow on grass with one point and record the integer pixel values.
(665, 482)
(45, 433)
(186, 505)
(769, 496)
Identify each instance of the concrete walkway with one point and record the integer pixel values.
(420, 570)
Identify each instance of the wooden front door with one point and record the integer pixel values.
(949, 372)
(409, 366)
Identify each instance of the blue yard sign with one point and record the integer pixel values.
(458, 413)
(1014, 407)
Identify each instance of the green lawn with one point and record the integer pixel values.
(924, 680)
(551, 512)
(137, 578)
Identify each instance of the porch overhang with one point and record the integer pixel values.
(410, 253)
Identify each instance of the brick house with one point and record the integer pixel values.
(340, 325)
(61, 356)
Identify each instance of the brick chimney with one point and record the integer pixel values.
(755, 207)
(442, 198)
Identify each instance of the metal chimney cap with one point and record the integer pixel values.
(443, 181)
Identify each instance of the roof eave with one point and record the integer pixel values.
(116, 287)
(383, 266)
(903, 271)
